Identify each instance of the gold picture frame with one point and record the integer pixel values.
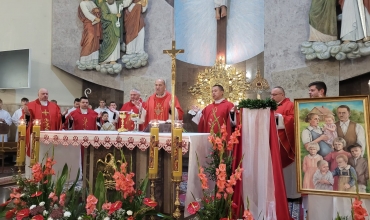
(336, 161)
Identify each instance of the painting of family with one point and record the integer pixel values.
(332, 145)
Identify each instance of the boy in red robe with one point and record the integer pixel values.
(158, 105)
(47, 112)
(83, 118)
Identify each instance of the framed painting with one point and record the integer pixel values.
(332, 145)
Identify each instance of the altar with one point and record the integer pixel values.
(66, 147)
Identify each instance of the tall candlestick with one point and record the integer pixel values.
(177, 151)
(21, 145)
(35, 142)
(153, 150)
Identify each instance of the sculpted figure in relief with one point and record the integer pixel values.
(89, 14)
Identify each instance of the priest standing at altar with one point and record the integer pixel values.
(47, 112)
(285, 119)
(222, 109)
(158, 105)
(135, 105)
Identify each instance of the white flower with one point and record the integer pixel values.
(45, 213)
(129, 212)
(79, 218)
(23, 194)
(67, 214)
(55, 206)
(50, 218)
(32, 207)
(106, 218)
(42, 204)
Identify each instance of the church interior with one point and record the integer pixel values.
(133, 54)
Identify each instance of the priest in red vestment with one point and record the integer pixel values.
(158, 105)
(42, 109)
(286, 133)
(221, 108)
(285, 125)
(135, 105)
(83, 118)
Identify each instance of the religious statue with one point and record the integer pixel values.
(89, 14)
(109, 51)
(135, 34)
(323, 42)
(220, 8)
(355, 20)
(323, 21)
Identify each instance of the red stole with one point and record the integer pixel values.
(222, 112)
(158, 108)
(128, 123)
(286, 136)
(84, 121)
(49, 115)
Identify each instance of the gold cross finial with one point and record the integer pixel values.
(173, 52)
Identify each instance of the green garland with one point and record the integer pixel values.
(258, 103)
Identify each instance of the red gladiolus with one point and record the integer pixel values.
(149, 202)
(23, 214)
(37, 217)
(106, 206)
(203, 178)
(130, 218)
(193, 207)
(36, 194)
(359, 212)
(37, 172)
(49, 166)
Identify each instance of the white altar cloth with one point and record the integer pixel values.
(66, 150)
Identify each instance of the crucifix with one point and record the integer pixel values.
(221, 36)
(172, 53)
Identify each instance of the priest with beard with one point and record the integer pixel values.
(47, 112)
(158, 105)
(135, 105)
(221, 108)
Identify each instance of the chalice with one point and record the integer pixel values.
(122, 116)
(135, 118)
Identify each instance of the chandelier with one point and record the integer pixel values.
(234, 83)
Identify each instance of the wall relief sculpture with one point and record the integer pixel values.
(352, 39)
(109, 28)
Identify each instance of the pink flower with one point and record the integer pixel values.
(106, 206)
(62, 199)
(193, 207)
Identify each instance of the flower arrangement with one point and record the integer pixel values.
(127, 203)
(217, 204)
(41, 198)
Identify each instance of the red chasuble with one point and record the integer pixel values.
(128, 123)
(84, 121)
(49, 115)
(221, 111)
(158, 108)
(286, 136)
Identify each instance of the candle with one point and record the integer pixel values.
(21, 146)
(177, 151)
(153, 150)
(35, 142)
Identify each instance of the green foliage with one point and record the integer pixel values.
(61, 180)
(258, 104)
(341, 217)
(100, 190)
(303, 113)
